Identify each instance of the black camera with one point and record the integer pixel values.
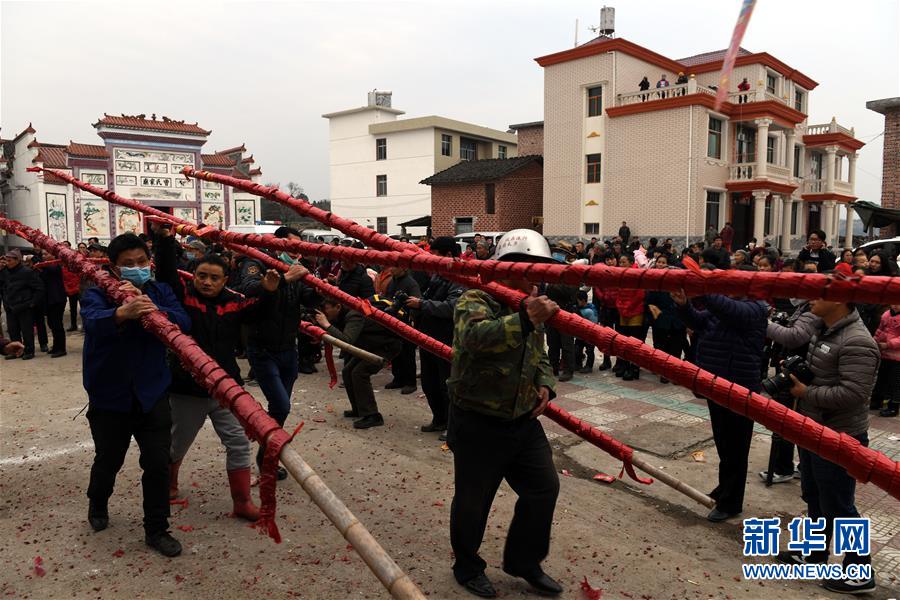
(400, 299)
(781, 318)
(781, 381)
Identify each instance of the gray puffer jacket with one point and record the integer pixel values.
(802, 326)
(844, 359)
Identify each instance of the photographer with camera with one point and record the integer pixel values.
(790, 335)
(843, 360)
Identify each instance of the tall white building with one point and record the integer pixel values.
(377, 161)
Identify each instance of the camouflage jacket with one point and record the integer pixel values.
(499, 361)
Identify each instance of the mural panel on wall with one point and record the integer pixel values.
(188, 214)
(94, 218)
(57, 224)
(127, 219)
(246, 212)
(94, 178)
(214, 214)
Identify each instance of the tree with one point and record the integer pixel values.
(273, 211)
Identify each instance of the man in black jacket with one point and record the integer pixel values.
(22, 290)
(272, 339)
(217, 314)
(816, 253)
(625, 233)
(352, 327)
(433, 316)
(353, 280)
(403, 368)
(54, 302)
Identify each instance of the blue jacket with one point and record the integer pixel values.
(589, 312)
(122, 362)
(731, 335)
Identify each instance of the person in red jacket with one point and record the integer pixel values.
(630, 304)
(72, 285)
(888, 384)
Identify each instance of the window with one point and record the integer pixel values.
(713, 206)
(815, 167)
(592, 229)
(468, 149)
(464, 225)
(798, 100)
(796, 161)
(501, 151)
(771, 81)
(593, 168)
(381, 149)
(746, 144)
(489, 198)
(595, 101)
(446, 145)
(714, 138)
(381, 185)
(795, 211)
(770, 150)
(382, 225)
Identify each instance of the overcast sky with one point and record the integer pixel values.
(263, 73)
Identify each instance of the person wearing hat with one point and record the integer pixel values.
(682, 79)
(194, 250)
(22, 289)
(500, 382)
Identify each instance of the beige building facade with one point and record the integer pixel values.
(670, 164)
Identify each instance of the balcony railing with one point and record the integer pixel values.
(777, 172)
(659, 93)
(819, 186)
(832, 127)
(741, 172)
(758, 95)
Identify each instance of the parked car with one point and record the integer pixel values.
(890, 246)
(464, 239)
(310, 235)
(257, 229)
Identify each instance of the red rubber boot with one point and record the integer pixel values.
(173, 479)
(239, 481)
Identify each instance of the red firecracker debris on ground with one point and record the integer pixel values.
(38, 569)
(590, 593)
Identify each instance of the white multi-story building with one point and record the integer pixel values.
(377, 162)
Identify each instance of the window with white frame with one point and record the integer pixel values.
(381, 149)
(381, 185)
(468, 149)
(770, 150)
(501, 151)
(592, 229)
(798, 99)
(713, 208)
(595, 101)
(382, 224)
(771, 83)
(714, 138)
(464, 224)
(446, 145)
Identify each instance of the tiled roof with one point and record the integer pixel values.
(248, 161)
(255, 172)
(28, 129)
(487, 169)
(240, 148)
(52, 155)
(707, 57)
(51, 178)
(141, 122)
(216, 160)
(86, 150)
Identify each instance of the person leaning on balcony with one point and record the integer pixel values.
(644, 85)
(682, 79)
(743, 86)
(662, 83)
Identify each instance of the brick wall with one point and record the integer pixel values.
(518, 198)
(891, 171)
(531, 140)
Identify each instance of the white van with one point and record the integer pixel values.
(310, 235)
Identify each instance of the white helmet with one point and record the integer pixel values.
(523, 245)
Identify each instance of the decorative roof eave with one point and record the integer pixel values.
(77, 149)
(776, 187)
(141, 123)
(234, 150)
(25, 131)
(762, 58)
(844, 141)
(843, 198)
(784, 115)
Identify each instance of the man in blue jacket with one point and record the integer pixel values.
(731, 334)
(127, 379)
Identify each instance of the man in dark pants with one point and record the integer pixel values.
(55, 302)
(22, 290)
(844, 359)
(731, 334)
(433, 316)
(127, 379)
(403, 367)
(272, 338)
(352, 327)
(500, 382)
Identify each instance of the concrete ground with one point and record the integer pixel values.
(630, 540)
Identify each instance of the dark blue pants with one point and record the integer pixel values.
(275, 373)
(829, 492)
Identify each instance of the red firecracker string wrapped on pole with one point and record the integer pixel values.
(861, 462)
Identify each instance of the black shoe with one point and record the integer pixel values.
(306, 369)
(542, 583)
(10, 357)
(163, 543)
(28, 356)
(628, 375)
(888, 412)
(442, 437)
(481, 586)
(373, 420)
(431, 427)
(850, 586)
(408, 389)
(585, 370)
(566, 376)
(57, 354)
(280, 474)
(98, 516)
(45, 349)
(663, 380)
(394, 385)
(717, 516)
(72, 329)
(605, 365)
(351, 414)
